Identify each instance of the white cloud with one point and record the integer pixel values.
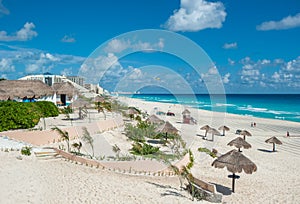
(68, 39)
(285, 23)
(3, 10)
(230, 45)
(67, 72)
(195, 15)
(231, 62)
(33, 68)
(135, 74)
(226, 78)
(24, 34)
(116, 46)
(6, 65)
(119, 45)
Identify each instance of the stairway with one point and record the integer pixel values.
(46, 154)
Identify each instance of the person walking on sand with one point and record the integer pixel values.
(287, 134)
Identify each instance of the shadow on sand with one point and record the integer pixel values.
(223, 189)
(169, 190)
(265, 150)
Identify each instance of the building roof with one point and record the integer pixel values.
(10, 89)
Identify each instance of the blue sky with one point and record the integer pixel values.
(253, 45)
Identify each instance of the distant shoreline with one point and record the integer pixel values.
(271, 106)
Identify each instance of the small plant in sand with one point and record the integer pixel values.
(77, 146)
(26, 151)
(86, 137)
(207, 151)
(116, 150)
(64, 136)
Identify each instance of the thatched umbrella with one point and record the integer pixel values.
(99, 99)
(80, 103)
(224, 128)
(213, 132)
(133, 111)
(239, 143)
(153, 119)
(245, 133)
(273, 140)
(235, 162)
(167, 127)
(206, 128)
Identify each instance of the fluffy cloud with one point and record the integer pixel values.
(24, 34)
(3, 10)
(195, 15)
(230, 45)
(116, 46)
(68, 39)
(119, 45)
(6, 65)
(285, 23)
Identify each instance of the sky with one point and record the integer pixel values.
(247, 46)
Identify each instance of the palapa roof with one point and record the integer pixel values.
(235, 162)
(214, 131)
(273, 140)
(65, 88)
(239, 143)
(154, 120)
(245, 132)
(223, 127)
(167, 127)
(186, 112)
(100, 99)
(80, 103)
(10, 89)
(205, 127)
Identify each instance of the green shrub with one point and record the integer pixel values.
(48, 108)
(18, 115)
(26, 151)
(143, 149)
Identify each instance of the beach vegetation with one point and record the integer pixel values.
(26, 151)
(213, 154)
(77, 145)
(134, 133)
(86, 137)
(143, 149)
(116, 150)
(64, 136)
(18, 115)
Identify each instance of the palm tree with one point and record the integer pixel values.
(77, 146)
(64, 136)
(101, 106)
(88, 139)
(185, 171)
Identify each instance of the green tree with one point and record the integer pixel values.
(64, 136)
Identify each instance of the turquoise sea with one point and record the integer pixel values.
(274, 106)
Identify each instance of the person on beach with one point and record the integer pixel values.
(251, 124)
(254, 124)
(287, 134)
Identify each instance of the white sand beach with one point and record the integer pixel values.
(32, 180)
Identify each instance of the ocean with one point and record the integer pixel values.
(274, 106)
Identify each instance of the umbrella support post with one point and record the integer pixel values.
(233, 180)
(273, 147)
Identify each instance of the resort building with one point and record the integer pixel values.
(88, 90)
